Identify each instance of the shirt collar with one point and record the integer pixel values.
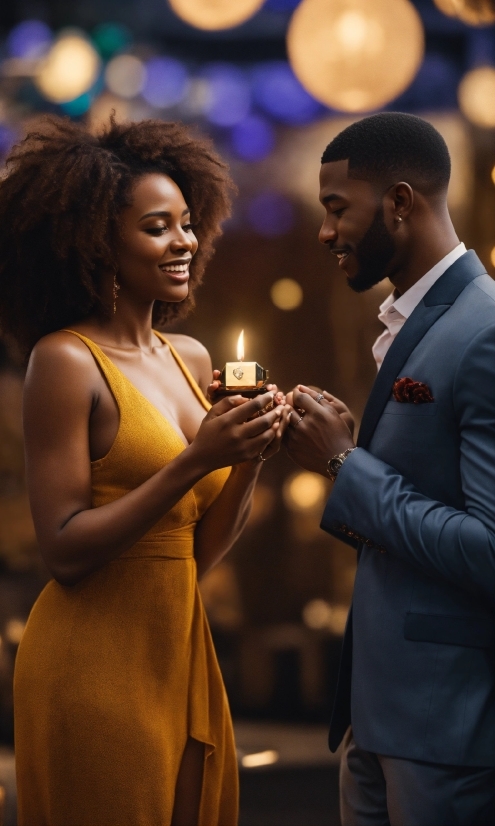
(406, 303)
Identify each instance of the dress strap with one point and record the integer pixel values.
(192, 381)
(116, 380)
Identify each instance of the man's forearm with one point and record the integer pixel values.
(372, 501)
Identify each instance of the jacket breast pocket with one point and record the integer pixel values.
(410, 409)
(472, 632)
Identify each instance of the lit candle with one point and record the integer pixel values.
(246, 377)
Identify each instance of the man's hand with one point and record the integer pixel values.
(318, 432)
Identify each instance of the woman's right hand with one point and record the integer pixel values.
(229, 434)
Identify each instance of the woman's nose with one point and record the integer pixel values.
(182, 240)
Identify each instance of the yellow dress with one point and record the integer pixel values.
(113, 674)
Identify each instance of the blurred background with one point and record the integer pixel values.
(271, 82)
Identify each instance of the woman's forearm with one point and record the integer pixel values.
(92, 537)
(224, 521)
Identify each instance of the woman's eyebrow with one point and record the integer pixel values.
(162, 214)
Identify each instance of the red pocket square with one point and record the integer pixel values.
(408, 390)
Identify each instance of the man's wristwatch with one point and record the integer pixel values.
(335, 463)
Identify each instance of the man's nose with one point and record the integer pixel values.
(327, 234)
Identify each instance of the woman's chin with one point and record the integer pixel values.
(174, 296)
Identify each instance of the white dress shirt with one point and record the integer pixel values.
(395, 310)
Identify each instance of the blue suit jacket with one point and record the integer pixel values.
(417, 676)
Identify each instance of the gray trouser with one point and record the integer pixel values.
(390, 791)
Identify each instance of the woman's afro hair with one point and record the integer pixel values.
(60, 203)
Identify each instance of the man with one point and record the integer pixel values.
(416, 497)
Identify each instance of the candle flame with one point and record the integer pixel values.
(240, 347)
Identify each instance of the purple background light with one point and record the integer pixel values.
(253, 138)
(29, 40)
(166, 82)
(278, 92)
(270, 214)
(229, 94)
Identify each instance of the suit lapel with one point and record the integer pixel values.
(434, 304)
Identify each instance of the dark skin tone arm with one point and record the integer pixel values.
(62, 393)
(323, 432)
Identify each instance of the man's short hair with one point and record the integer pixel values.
(390, 147)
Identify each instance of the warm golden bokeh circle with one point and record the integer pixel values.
(215, 14)
(473, 12)
(286, 294)
(305, 491)
(476, 95)
(355, 55)
(70, 68)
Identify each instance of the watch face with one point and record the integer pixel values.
(335, 465)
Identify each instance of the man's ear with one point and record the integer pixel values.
(401, 201)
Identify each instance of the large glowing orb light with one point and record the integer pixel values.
(355, 55)
(215, 14)
(473, 12)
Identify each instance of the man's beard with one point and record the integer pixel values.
(374, 253)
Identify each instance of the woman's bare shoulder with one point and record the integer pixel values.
(61, 356)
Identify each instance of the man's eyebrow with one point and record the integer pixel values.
(332, 197)
(163, 214)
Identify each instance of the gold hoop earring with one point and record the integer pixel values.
(116, 288)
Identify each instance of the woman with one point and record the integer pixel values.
(121, 715)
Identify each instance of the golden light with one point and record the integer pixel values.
(259, 758)
(319, 615)
(473, 12)
(215, 14)
(240, 347)
(125, 76)
(493, 174)
(476, 96)
(14, 630)
(305, 491)
(70, 68)
(355, 55)
(286, 294)
(492, 257)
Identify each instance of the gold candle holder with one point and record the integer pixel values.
(247, 378)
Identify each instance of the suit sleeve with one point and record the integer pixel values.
(371, 501)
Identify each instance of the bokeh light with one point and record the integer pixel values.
(253, 138)
(70, 68)
(286, 294)
(305, 491)
(356, 56)
(477, 96)
(77, 107)
(492, 257)
(473, 12)
(319, 615)
(229, 96)
(493, 174)
(110, 38)
(270, 214)
(29, 40)
(125, 76)
(8, 137)
(278, 92)
(219, 14)
(167, 82)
